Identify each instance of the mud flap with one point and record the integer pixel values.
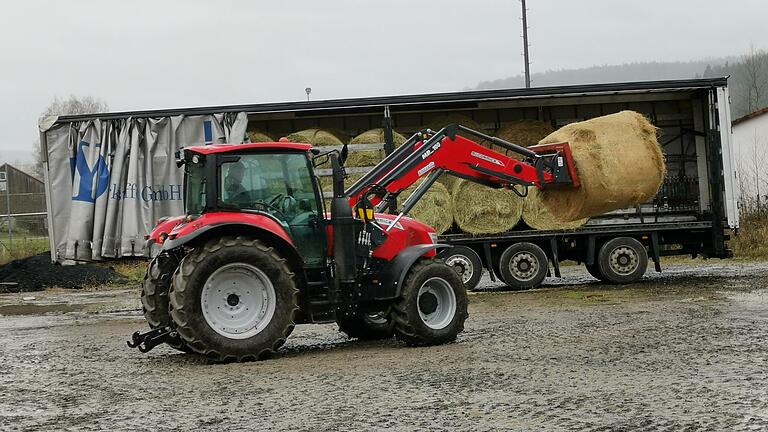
(393, 275)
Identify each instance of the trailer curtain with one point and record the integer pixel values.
(110, 180)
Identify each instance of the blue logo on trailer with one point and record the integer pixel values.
(208, 132)
(99, 172)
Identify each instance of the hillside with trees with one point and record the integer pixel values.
(748, 72)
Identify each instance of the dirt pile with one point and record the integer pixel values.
(37, 272)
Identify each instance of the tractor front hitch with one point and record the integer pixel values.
(148, 340)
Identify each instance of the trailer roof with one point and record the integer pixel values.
(431, 100)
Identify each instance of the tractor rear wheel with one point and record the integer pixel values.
(234, 299)
(432, 306)
(367, 326)
(154, 295)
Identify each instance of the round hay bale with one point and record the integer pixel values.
(619, 162)
(316, 137)
(478, 209)
(440, 122)
(448, 181)
(537, 216)
(326, 182)
(434, 208)
(523, 132)
(256, 136)
(364, 158)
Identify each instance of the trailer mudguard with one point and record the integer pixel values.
(394, 275)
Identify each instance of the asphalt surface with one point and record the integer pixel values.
(684, 350)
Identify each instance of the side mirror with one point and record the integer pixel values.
(320, 159)
(179, 159)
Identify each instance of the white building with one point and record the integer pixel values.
(750, 138)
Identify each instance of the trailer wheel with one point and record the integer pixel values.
(432, 306)
(466, 262)
(154, 295)
(523, 265)
(622, 260)
(234, 299)
(367, 326)
(594, 271)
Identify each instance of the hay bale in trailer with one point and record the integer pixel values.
(479, 209)
(435, 208)
(365, 158)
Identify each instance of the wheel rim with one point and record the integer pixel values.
(238, 301)
(436, 303)
(463, 267)
(623, 260)
(523, 266)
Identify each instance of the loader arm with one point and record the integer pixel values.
(430, 154)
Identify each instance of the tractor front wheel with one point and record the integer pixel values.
(432, 306)
(154, 295)
(234, 299)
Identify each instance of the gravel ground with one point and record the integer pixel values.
(684, 350)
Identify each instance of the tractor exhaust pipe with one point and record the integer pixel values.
(344, 239)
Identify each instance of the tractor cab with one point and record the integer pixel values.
(268, 179)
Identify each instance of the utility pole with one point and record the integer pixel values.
(525, 47)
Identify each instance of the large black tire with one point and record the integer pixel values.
(594, 271)
(523, 266)
(365, 326)
(238, 255)
(154, 295)
(421, 317)
(466, 262)
(622, 260)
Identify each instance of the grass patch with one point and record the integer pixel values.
(751, 242)
(22, 247)
(132, 268)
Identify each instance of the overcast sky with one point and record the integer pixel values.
(175, 53)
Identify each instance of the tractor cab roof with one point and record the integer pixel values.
(226, 148)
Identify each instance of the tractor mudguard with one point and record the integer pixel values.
(394, 274)
(174, 243)
(266, 223)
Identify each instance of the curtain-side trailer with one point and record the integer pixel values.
(692, 214)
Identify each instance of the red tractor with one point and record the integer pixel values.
(256, 252)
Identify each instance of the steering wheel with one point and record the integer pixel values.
(285, 203)
(245, 200)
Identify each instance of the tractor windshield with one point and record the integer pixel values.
(278, 183)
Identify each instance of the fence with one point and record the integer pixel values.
(23, 231)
